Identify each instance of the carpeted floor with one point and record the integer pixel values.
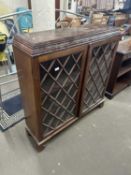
(11, 102)
(12, 105)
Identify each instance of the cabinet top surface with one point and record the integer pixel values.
(34, 43)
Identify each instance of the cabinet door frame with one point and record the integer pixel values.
(92, 45)
(36, 75)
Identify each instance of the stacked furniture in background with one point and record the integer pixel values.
(63, 75)
(120, 76)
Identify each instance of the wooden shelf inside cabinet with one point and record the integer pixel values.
(122, 83)
(56, 67)
(119, 86)
(124, 70)
(121, 69)
(126, 57)
(125, 67)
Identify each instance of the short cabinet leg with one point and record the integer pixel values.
(101, 105)
(28, 134)
(40, 147)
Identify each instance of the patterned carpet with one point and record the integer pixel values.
(9, 91)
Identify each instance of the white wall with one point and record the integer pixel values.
(43, 12)
(64, 6)
(13, 4)
(118, 5)
(73, 6)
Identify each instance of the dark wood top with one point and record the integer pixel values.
(39, 43)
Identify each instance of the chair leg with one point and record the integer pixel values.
(9, 61)
(1, 105)
(5, 64)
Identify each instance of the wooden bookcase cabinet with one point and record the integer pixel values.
(60, 86)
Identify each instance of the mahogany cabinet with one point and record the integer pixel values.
(62, 75)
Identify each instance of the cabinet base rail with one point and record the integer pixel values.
(40, 145)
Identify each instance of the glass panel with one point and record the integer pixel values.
(99, 68)
(59, 86)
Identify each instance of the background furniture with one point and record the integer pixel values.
(63, 75)
(120, 76)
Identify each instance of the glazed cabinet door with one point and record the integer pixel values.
(61, 76)
(98, 66)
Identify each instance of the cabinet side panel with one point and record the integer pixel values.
(27, 86)
(114, 73)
